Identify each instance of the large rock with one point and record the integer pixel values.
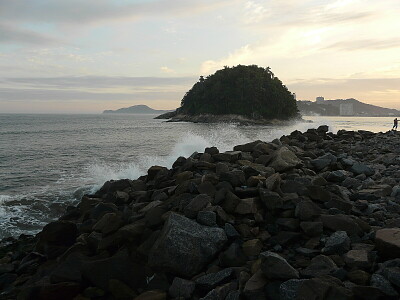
(289, 289)
(185, 247)
(341, 222)
(318, 193)
(181, 288)
(383, 285)
(56, 237)
(275, 266)
(120, 267)
(326, 287)
(306, 210)
(319, 266)
(196, 204)
(359, 168)
(284, 159)
(323, 161)
(357, 259)
(387, 242)
(337, 243)
(209, 281)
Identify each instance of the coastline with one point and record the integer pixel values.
(237, 119)
(312, 209)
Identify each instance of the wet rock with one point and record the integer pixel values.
(120, 266)
(323, 288)
(185, 247)
(275, 266)
(288, 290)
(254, 288)
(319, 266)
(109, 223)
(196, 204)
(206, 188)
(383, 285)
(230, 231)
(235, 177)
(338, 242)
(359, 168)
(120, 290)
(366, 292)
(208, 218)
(341, 222)
(359, 277)
(246, 206)
(273, 182)
(306, 210)
(252, 247)
(357, 259)
(181, 288)
(210, 281)
(284, 159)
(56, 237)
(323, 161)
(101, 209)
(387, 242)
(312, 228)
(233, 256)
(152, 295)
(336, 176)
(318, 193)
(271, 200)
(290, 224)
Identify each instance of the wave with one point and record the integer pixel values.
(222, 136)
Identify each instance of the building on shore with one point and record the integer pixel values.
(320, 100)
(346, 109)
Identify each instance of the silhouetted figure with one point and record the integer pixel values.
(395, 124)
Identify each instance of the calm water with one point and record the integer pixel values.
(49, 161)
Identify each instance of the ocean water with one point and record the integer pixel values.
(48, 162)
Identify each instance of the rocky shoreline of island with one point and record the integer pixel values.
(229, 119)
(312, 215)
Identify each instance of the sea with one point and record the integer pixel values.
(49, 161)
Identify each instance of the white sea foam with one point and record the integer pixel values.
(223, 136)
(4, 198)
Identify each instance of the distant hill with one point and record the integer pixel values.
(136, 109)
(332, 108)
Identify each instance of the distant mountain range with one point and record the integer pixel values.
(136, 109)
(332, 108)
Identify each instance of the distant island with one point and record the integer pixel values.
(244, 94)
(136, 109)
(343, 107)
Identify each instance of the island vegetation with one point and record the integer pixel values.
(249, 91)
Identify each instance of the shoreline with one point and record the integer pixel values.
(308, 210)
(238, 119)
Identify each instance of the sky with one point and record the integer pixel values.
(85, 56)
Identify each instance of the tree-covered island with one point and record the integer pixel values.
(248, 94)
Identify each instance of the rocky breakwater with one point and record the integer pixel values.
(313, 215)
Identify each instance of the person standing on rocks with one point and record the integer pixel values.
(395, 124)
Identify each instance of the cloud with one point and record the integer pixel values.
(73, 82)
(72, 11)
(94, 88)
(9, 94)
(365, 44)
(166, 70)
(11, 35)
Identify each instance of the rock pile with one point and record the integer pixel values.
(313, 215)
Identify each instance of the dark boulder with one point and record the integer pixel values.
(185, 247)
